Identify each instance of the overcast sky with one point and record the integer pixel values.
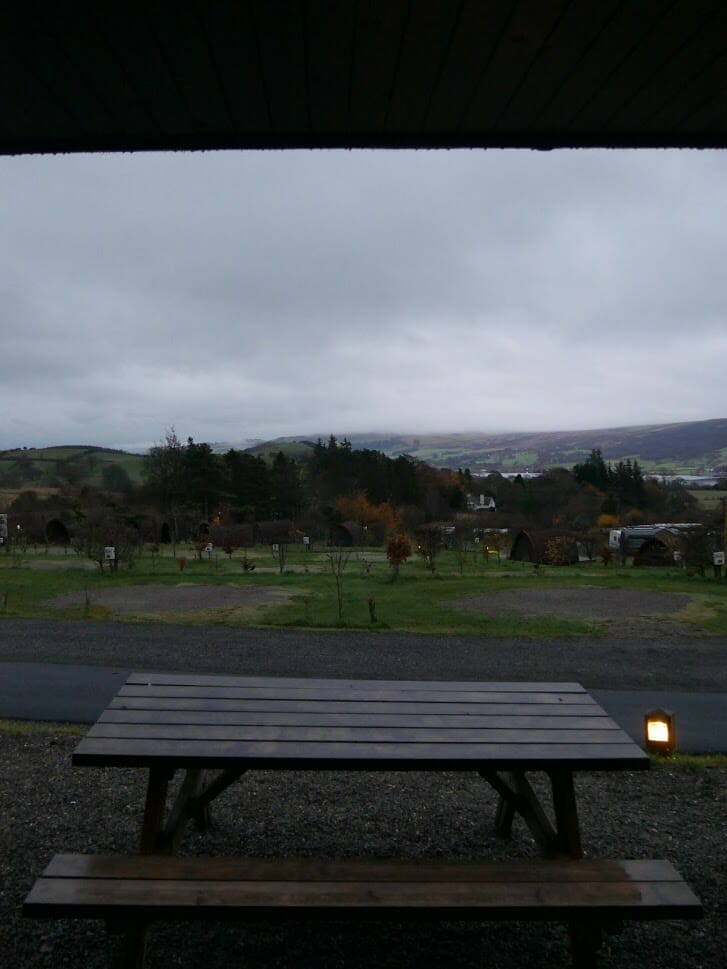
(252, 295)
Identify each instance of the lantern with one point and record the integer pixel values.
(659, 731)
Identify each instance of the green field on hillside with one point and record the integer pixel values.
(47, 469)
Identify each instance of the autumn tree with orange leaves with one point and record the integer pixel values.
(359, 509)
(398, 550)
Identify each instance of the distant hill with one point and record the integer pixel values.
(684, 448)
(696, 447)
(48, 469)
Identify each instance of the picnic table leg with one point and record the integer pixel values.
(504, 816)
(183, 809)
(518, 796)
(156, 801)
(202, 801)
(192, 801)
(568, 832)
(506, 805)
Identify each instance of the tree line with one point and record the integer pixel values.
(187, 485)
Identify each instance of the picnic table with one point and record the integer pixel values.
(165, 722)
(215, 728)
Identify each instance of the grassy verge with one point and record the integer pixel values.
(31, 728)
(694, 762)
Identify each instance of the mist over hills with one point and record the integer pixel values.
(678, 448)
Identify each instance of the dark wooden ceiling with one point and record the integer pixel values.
(193, 74)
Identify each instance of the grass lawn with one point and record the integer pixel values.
(417, 601)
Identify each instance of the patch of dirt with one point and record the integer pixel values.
(614, 605)
(139, 600)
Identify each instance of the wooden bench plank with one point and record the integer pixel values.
(130, 892)
(102, 898)
(352, 869)
(200, 887)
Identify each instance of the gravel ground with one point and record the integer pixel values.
(580, 603)
(47, 806)
(158, 600)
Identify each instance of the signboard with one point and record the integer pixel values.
(717, 558)
(109, 553)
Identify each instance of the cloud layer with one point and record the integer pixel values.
(239, 295)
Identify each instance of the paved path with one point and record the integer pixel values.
(56, 691)
(67, 671)
(77, 694)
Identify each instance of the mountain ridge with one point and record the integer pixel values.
(677, 447)
(690, 447)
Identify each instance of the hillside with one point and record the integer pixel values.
(686, 448)
(48, 469)
(683, 448)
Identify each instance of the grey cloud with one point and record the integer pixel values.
(257, 294)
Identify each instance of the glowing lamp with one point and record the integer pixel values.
(659, 731)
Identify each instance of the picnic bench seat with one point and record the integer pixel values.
(129, 892)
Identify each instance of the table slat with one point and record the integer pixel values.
(347, 696)
(560, 719)
(375, 755)
(357, 735)
(287, 682)
(502, 707)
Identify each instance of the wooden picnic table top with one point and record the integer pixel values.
(199, 721)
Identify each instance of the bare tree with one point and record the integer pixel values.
(461, 541)
(338, 560)
(429, 544)
(92, 538)
(280, 552)
(164, 474)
